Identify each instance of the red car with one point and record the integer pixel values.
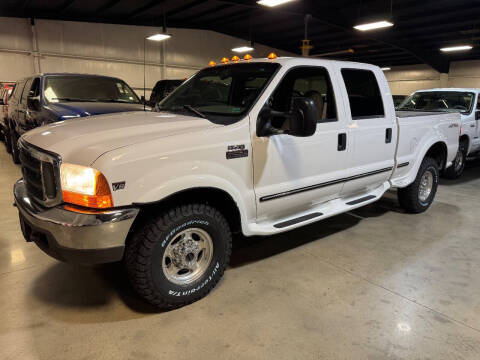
(6, 90)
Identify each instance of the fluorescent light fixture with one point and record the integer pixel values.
(386, 68)
(373, 26)
(272, 3)
(457, 48)
(159, 37)
(242, 49)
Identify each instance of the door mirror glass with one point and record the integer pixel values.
(33, 103)
(142, 99)
(1, 102)
(477, 115)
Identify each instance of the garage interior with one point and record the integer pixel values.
(374, 283)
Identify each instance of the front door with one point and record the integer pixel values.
(293, 174)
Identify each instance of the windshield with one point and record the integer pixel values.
(222, 93)
(88, 88)
(451, 101)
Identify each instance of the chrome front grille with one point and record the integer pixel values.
(41, 172)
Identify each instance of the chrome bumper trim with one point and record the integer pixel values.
(74, 230)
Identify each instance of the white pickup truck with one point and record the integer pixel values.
(463, 101)
(261, 147)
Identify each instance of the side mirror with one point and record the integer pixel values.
(1, 102)
(33, 103)
(142, 99)
(477, 115)
(303, 121)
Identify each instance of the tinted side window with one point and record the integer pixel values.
(311, 82)
(363, 94)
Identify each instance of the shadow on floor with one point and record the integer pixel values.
(70, 288)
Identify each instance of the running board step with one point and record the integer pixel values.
(298, 220)
(358, 201)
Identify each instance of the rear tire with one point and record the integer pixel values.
(418, 196)
(456, 170)
(14, 146)
(179, 256)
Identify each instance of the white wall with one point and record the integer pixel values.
(107, 49)
(404, 80)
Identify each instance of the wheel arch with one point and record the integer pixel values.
(438, 151)
(218, 198)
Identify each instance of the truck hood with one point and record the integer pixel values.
(80, 109)
(82, 141)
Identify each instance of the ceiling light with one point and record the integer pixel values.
(159, 37)
(456, 48)
(374, 25)
(386, 68)
(272, 3)
(242, 49)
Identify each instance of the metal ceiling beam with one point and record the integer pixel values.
(107, 6)
(144, 8)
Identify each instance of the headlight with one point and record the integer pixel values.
(85, 186)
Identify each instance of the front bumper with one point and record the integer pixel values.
(83, 238)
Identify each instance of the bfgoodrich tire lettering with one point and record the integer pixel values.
(145, 255)
(418, 196)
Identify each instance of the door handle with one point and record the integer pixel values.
(388, 136)
(472, 125)
(342, 142)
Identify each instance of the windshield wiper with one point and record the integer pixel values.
(117, 100)
(72, 99)
(192, 109)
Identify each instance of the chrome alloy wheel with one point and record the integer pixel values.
(426, 185)
(187, 256)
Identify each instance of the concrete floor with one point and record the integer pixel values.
(374, 284)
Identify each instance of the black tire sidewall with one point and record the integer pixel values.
(14, 147)
(434, 171)
(185, 293)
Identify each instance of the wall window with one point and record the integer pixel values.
(363, 94)
(311, 82)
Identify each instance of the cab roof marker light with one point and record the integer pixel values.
(373, 26)
(235, 58)
(272, 3)
(212, 63)
(272, 56)
(247, 57)
(224, 60)
(457, 48)
(242, 49)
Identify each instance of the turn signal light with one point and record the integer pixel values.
(235, 58)
(212, 63)
(272, 56)
(224, 60)
(247, 57)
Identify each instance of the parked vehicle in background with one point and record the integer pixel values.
(162, 89)
(5, 93)
(47, 98)
(249, 147)
(398, 99)
(463, 101)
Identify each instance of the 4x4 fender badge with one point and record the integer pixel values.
(236, 151)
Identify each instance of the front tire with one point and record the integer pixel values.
(418, 196)
(178, 257)
(456, 170)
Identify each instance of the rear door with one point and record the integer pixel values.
(373, 128)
